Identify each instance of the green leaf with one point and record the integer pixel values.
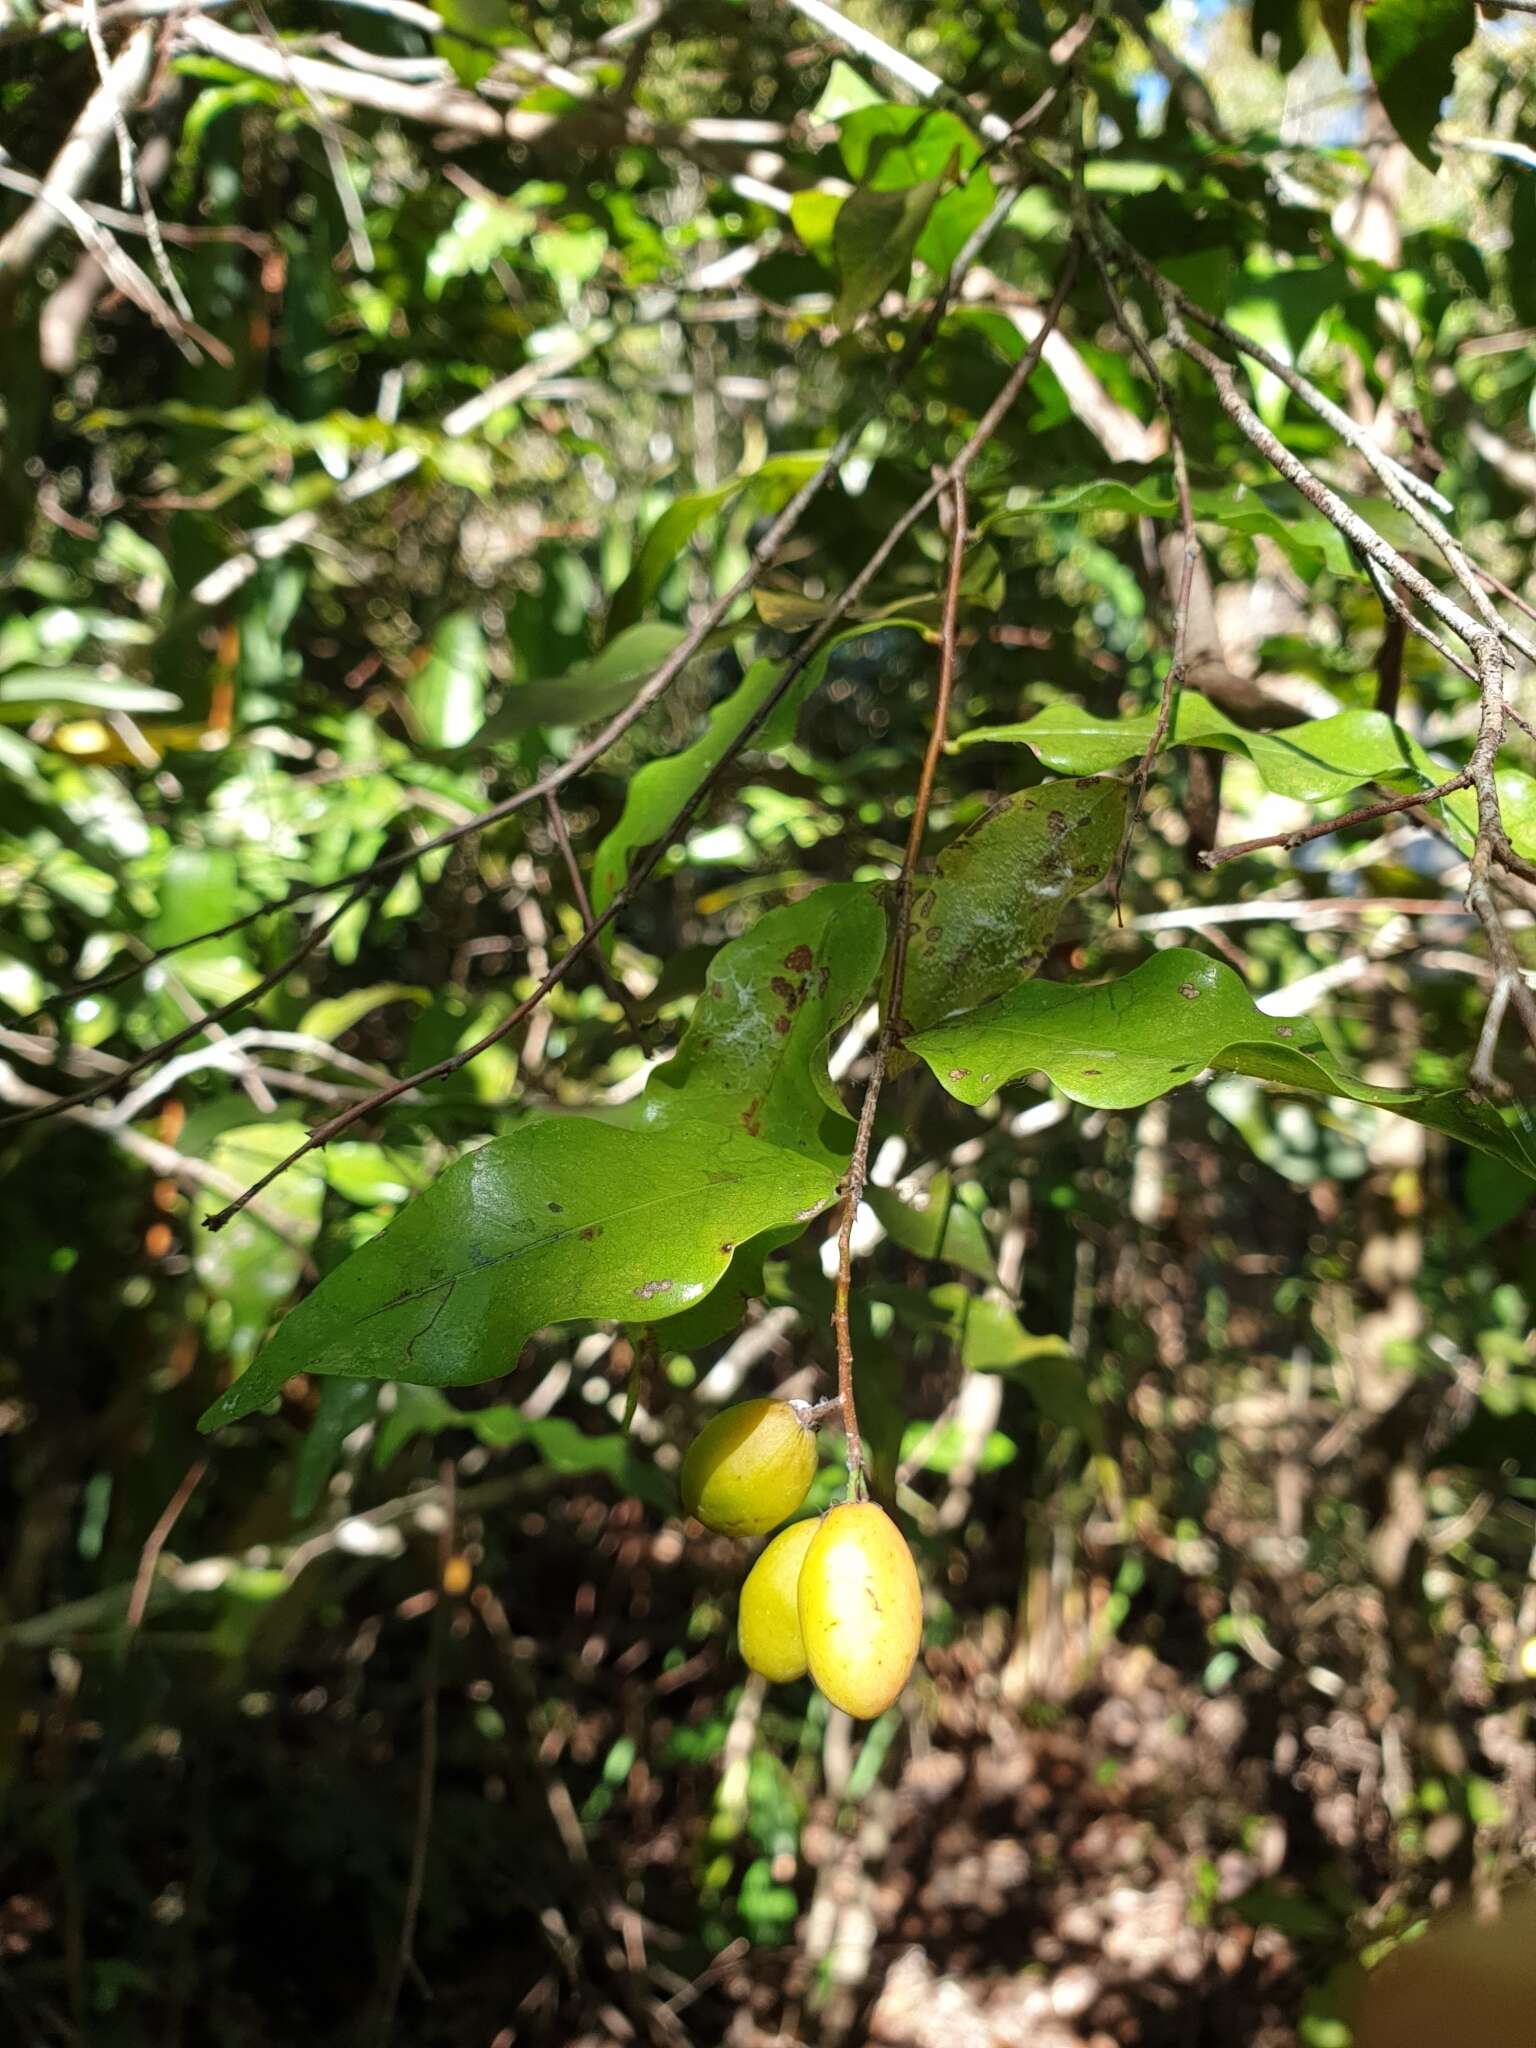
(1313, 762)
(1309, 540)
(660, 789)
(560, 1444)
(251, 1268)
(990, 1338)
(873, 239)
(942, 1229)
(985, 916)
(1119, 1043)
(333, 1016)
(1412, 47)
(481, 22)
(566, 1219)
(591, 690)
(890, 148)
(82, 689)
(767, 487)
(755, 1052)
(344, 1405)
(448, 693)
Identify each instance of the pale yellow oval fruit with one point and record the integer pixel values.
(749, 1469)
(861, 1609)
(768, 1621)
(1465, 1983)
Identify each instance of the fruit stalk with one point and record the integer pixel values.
(891, 1027)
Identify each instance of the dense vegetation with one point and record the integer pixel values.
(704, 704)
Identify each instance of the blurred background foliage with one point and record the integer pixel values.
(1214, 1421)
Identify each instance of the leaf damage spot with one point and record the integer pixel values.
(592, 1230)
(801, 960)
(557, 1208)
(652, 1288)
(782, 1027)
(1285, 1031)
(1188, 991)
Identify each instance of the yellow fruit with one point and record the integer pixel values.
(768, 1623)
(861, 1609)
(749, 1468)
(1465, 1983)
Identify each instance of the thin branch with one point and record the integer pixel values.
(1173, 680)
(858, 1166)
(199, 1025)
(155, 1542)
(72, 169)
(1386, 590)
(426, 1776)
(1324, 828)
(796, 665)
(560, 832)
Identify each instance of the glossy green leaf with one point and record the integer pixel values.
(566, 1219)
(983, 918)
(1117, 1044)
(1313, 762)
(448, 693)
(755, 1052)
(1412, 47)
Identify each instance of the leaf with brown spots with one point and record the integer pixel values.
(984, 918)
(755, 1054)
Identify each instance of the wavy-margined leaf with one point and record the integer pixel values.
(1119, 1043)
(985, 916)
(661, 788)
(566, 1219)
(768, 487)
(1310, 542)
(755, 1051)
(1315, 761)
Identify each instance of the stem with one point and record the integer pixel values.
(858, 1167)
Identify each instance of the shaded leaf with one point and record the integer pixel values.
(1412, 46)
(591, 690)
(873, 239)
(558, 1443)
(985, 916)
(767, 487)
(942, 1229)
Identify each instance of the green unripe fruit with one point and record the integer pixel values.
(861, 1609)
(749, 1469)
(768, 1622)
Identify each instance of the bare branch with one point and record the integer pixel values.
(1324, 828)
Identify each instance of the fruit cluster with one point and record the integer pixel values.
(837, 1595)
